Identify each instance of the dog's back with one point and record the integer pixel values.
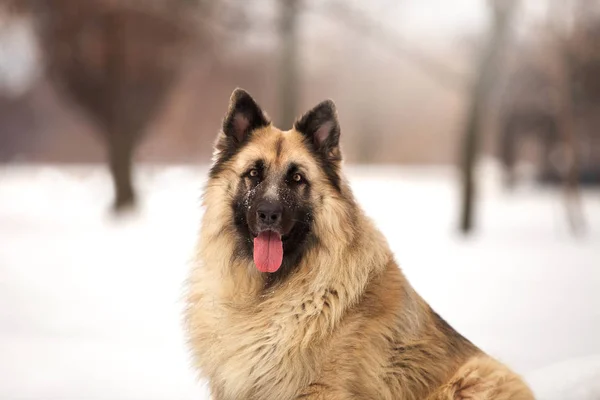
(393, 346)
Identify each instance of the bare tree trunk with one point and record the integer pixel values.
(502, 11)
(120, 153)
(289, 74)
(573, 203)
(120, 141)
(566, 121)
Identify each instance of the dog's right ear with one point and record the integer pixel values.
(243, 117)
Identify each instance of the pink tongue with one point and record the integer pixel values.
(268, 251)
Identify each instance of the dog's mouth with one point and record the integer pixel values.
(268, 251)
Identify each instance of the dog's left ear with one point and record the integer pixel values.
(321, 128)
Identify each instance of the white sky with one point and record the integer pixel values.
(431, 18)
(443, 17)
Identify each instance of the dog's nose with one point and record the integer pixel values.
(269, 213)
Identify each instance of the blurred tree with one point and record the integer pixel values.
(117, 60)
(502, 12)
(528, 110)
(574, 63)
(556, 96)
(289, 72)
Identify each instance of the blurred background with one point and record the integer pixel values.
(471, 134)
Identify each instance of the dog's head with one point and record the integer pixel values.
(277, 181)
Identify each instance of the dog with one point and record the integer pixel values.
(295, 294)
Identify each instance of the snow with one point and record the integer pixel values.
(90, 307)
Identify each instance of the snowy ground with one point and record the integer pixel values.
(90, 307)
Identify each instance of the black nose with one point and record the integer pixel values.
(269, 213)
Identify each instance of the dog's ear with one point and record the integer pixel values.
(243, 117)
(321, 128)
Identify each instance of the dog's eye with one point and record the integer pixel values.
(297, 178)
(253, 173)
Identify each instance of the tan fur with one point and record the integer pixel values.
(345, 325)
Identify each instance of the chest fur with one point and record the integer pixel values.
(267, 352)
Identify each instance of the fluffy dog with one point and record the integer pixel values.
(295, 293)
